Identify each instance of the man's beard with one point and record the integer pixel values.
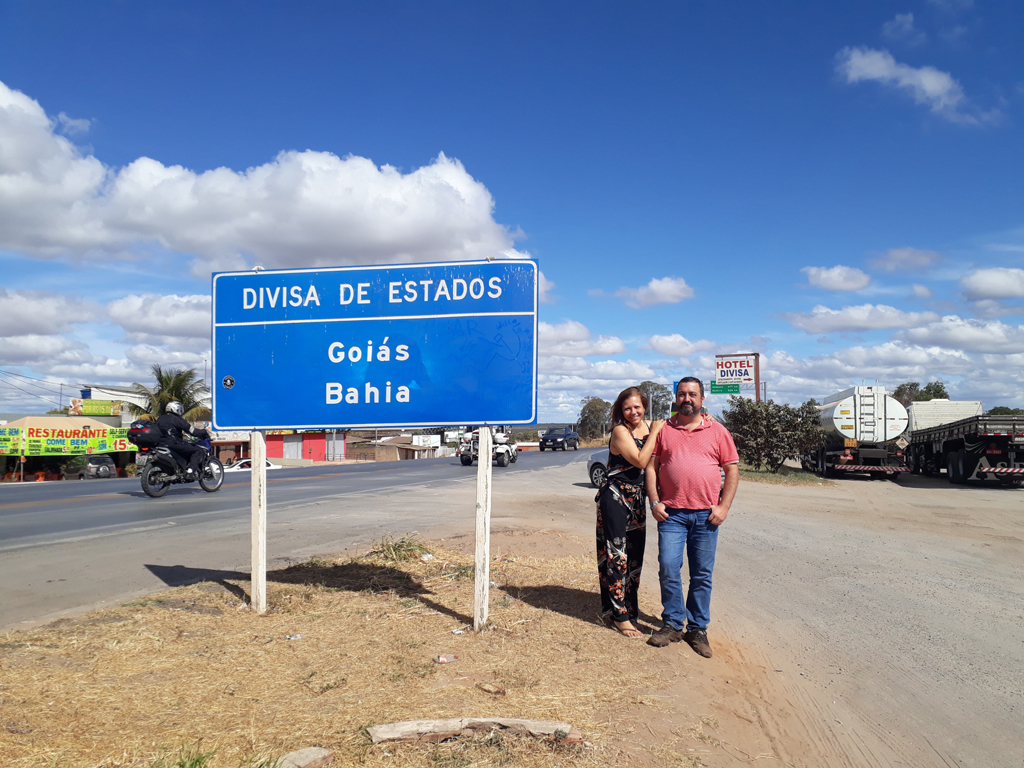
(688, 409)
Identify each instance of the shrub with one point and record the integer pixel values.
(768, 433)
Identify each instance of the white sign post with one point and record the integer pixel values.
(258, 457)
(482, 569)
(285, 358)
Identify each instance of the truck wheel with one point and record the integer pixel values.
(466, 460)
(542, 449)
(502, 459)
(576, 445)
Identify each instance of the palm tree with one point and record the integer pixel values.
(178, 384)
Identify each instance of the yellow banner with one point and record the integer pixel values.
(58, 442)
(10, 441)
(81, 407)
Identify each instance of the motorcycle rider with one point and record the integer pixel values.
(173, 428)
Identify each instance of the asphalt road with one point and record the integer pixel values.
(71, 546)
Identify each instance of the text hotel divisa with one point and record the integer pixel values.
(398, 292)
(734, 370)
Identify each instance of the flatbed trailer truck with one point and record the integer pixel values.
(975, 448)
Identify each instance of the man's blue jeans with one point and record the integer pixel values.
(686, 530)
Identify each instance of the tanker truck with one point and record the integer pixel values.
(863, 433)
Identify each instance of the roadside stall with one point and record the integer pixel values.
(40, 448)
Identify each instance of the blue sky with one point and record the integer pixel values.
(834, 185)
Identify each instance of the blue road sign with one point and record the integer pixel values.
(426, 344)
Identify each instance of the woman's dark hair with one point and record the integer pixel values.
(624, 395)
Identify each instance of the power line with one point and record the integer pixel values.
(45, 381)
(15, 386)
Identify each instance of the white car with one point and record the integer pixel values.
(245, 465)
(597, 468)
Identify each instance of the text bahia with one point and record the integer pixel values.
(337, 393)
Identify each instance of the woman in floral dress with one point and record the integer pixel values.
(622, 511)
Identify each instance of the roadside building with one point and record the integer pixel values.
(298, 448)
(38, 448)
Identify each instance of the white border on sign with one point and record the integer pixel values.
(334, 425)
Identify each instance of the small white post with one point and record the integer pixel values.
(258, 457)
(482, 571)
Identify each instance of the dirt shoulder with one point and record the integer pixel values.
(830, 630)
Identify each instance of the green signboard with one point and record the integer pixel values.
(724, 389)
(71, 442)
(94, 407)
(10, 441)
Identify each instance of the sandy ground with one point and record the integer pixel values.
(860, 623)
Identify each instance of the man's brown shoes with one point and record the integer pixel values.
(664, 636)
(698, 640)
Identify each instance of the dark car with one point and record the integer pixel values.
(89, 467)
(560, 437)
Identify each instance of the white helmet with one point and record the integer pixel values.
(175, 407)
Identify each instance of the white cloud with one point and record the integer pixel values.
(573, 339)
(628, 371)
(902, 28)
(545, 288)
(661, 290)
(921, 291)
(146, 355)
(994, 283)
(794, 379)
(162, 316)
(969, 335)
(929, 86)
(41, 312)
(864, 317)
(914, 259)
(300, 209)
(992, 308)
(41, 351)
(838, 278)
(71, 125)
(677, 345)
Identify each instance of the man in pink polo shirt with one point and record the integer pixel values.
(689, 503)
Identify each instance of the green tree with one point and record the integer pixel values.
(595, 417)
(1004, 410)
(659, 397)
(178, 384)
(768, 433)
(911, 391)
(907, 392)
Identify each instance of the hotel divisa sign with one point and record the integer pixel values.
(735, 369)
(338, 347)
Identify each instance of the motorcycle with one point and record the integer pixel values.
(163, 468)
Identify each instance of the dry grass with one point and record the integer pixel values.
(191, 678)
(785, 476)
